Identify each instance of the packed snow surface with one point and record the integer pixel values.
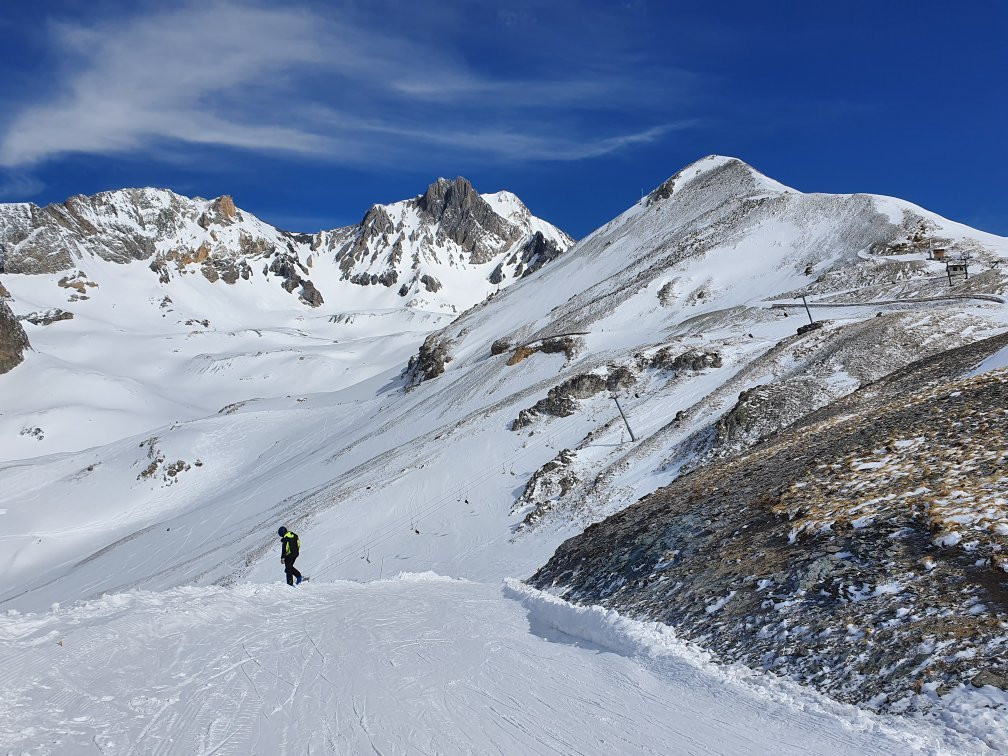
(416, 664)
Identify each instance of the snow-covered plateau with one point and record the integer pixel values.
(794, 542)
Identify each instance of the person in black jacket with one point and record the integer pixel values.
(290, 547)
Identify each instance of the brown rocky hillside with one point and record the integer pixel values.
(863, 549)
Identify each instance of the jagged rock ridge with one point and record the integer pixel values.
(412, 245)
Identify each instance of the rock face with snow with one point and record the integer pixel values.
(13, 341)
(836, 541)
(417, 246)
(438, 250)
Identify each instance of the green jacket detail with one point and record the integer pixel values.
(290, 545)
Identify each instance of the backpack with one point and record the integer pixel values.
(292, 544)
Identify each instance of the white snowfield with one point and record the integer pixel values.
(418, 664)
(215, 655)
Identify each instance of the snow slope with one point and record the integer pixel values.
(379, 479)
(442, 459)
(126, 363)
(159, 335)
(417, 664)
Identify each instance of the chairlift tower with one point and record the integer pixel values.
(957, 268)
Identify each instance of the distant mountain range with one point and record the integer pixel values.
(442, 250)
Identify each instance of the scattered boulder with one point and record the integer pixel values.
(430, 283)
(4, 294)
(176, 467)
(310, 295)
(568, 345)
(154, 457)
(210, 273)
(695, 360)
(159, 266)
(561, 401)
(810, 327)
(620, 377)
(500, 346)
(429, 362)
(388, 278)
(48, 317)
(998, 678)
(71, 283)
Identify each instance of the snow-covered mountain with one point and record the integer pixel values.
(477, 452)
(146, 308)
(444, 249)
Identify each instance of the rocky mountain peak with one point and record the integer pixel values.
(224, 206)
(727, 176)
(377, 220)
(444, 196)
(222, 212)
(466, 218)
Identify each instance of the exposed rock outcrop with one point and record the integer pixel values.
(870, 534)
(430, 283)
(535, 253)
(48, 317)
(695, 360)
(13, 340)
(466, 218)
(561, 401)
(222, 211)
(569, 346)
(500, 346)
(549, 483)
(429, 362)
(310, 295)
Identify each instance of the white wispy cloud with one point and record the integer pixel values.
(18, 185)
(291, 79)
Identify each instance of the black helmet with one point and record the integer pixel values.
(281, 531)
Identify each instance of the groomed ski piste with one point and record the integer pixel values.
(414, 634)
(415, 664)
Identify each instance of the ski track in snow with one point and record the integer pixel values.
(417, 664)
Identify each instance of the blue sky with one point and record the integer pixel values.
(309, 112)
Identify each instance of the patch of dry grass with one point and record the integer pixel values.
(949, 465)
